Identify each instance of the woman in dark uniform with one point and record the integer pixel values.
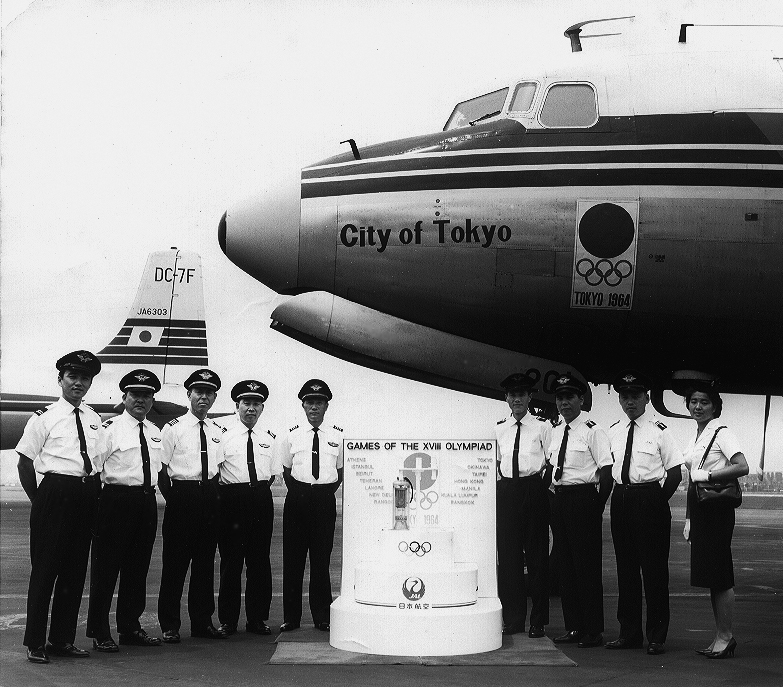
(709, 529)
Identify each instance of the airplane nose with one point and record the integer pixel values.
(261, 236)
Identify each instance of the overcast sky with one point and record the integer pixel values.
(131, 126)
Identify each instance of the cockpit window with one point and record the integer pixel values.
(472, 111)
(569, 105)
(522, 100)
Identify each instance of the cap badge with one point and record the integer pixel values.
(315, 387)
(629, 378)
(563, 380)
(253, 386)
(141, 377)
(205, 375)
(84, 358)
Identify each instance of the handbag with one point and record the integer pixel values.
(726, 493)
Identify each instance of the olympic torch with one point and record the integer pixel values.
(403, 495)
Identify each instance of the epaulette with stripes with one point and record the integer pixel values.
(500, 422)
(660, 425)
(293, 428)
(339, 429)
(107, 423)
(173, 422)
(41, 411)
(270, 434)
(590, 424)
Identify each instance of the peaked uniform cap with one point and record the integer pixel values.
(82, 361)
(315, 387)
(140, 379)
(568, 381)
(249, 388)
(631, 379)
(203, 377)
(518, 380)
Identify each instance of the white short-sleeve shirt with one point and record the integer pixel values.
(534, 437)
(587, 450)
(723, 449)
(234, 467)
(119, 451)
(51, 440)
(654, 450)
(296, 453)
(182, 447)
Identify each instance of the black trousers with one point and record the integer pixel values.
(576, 527)
(190, 526)
(641, 530)
(62, 514)
(309, 516)
(244, 538)
(122, 547)
(523, 539)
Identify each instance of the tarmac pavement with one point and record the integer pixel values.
(244, 658)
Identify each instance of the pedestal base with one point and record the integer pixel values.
(401, 632)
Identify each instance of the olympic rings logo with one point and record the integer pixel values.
(415, 547)
(603, 271)
(427, 499)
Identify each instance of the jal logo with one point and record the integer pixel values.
(413, 588)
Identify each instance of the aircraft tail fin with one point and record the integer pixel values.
(165, 330)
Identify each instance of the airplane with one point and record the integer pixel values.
(600, 211)
(165, 332)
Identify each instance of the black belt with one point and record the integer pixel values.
(244, 485)
(574, 487)
(87, 479)
(192, 483)
(638, 485)
(129, 489)
(526, 478)
(304, 486)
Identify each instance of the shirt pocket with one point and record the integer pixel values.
(61, 437)
(579, 452)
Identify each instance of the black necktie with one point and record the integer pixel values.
(316, 448)
(251, 461)
(145, 459)
(204, 457)
(515, 456)
(82, 443)
(624, 473)
(561, 455)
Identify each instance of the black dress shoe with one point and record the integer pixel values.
(289, 627)
(37, 655)
(655, 649)
(512, 629)
(139, 638)
(535, 632)
(209, 632)
(66, 651)
(258, 628)
(623, 643)
(324, 627)
(728, 652)
(228, 629)
(171, 637)
(570, 637)
(106, 646)
(590, 641)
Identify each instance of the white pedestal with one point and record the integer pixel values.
(435, 632)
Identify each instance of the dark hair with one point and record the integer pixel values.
(714, 396)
